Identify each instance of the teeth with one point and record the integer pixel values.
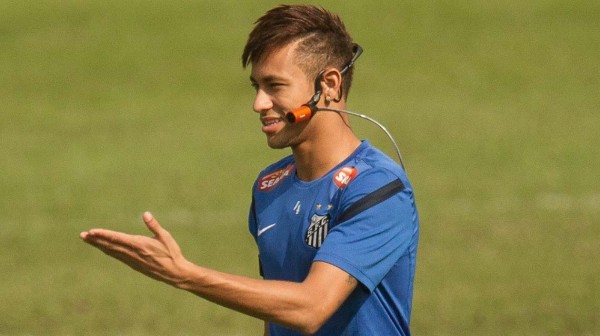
(270, 122)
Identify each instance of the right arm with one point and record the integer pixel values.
(304, 306)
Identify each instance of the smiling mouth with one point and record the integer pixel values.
(270, 124)
(268, 119)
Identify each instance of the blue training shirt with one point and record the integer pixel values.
(360, 217)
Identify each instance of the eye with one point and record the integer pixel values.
(274, 86)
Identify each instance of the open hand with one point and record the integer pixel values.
(158, 257)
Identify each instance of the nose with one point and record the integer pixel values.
(262, 101)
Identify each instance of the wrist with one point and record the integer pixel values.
(185, 275)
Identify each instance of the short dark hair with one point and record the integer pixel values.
(323, 40)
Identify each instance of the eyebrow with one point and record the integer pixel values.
(270, 78)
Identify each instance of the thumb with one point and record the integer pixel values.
(152, 224)
(161, 234)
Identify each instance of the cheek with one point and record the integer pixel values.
(295, 98)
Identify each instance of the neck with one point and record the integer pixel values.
(330, 141)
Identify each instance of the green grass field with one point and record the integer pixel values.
(111, 108)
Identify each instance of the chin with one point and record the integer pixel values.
(276, 145)
(282, 140)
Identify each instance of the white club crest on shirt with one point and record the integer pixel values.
(317, 231)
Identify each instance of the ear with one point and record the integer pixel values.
(332, 84)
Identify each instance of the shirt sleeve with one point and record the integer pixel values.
(376, 226)
(252, 217)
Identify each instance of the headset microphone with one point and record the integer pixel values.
(301, 113)
(306, 111)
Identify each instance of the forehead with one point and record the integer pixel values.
(281, 63)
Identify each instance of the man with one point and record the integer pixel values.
(335, 222)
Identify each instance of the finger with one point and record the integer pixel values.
(107, 238)
(117, 245)
(123, 253)
(105, 245)
(109, 247)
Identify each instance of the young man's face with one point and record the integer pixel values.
(280, 87)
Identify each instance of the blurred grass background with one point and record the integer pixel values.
(111, 108)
